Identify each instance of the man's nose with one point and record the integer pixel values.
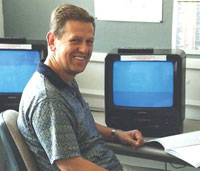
(83, 47)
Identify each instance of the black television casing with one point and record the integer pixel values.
(152, 122)
(12, 100)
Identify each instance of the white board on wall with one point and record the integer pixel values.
(129, 10)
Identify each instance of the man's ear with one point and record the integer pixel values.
(51, 41)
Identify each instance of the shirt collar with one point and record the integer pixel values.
(52, 76)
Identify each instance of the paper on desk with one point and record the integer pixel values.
(190, 154)
(184, 146)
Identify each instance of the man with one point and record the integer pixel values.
(54, 118)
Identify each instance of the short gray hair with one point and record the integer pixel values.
(66, 12)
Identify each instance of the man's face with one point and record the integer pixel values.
(74, 49)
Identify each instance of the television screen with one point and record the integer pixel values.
(16, 68)
(143, 84)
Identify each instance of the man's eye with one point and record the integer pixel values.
(75, 40)
(90, 42)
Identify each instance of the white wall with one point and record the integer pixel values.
(193, 88)
(1, 20)
(91, 83)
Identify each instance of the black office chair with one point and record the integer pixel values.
(18, 156)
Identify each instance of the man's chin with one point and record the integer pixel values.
(77, 72)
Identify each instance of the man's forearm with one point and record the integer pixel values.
(78, 164)
(104, 131)
(132, 137)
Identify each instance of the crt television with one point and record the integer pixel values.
(18, 61)
(145, 90)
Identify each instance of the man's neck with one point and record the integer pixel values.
(67, 78)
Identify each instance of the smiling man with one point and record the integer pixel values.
(71, 53)
(54, 119)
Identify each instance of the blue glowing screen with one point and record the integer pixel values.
(16, 68)
(143, 84)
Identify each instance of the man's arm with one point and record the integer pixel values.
(133, 137)
(77, 164)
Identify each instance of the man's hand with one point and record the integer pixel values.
(133, 137)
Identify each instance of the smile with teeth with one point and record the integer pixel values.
(80, 57)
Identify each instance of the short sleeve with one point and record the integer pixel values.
(55, 127)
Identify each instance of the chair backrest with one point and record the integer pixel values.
(18, 156)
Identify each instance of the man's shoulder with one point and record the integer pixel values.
(38, 89)
(39, 84)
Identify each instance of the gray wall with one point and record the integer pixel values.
(30, 19)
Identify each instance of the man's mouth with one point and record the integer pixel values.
(80, 57)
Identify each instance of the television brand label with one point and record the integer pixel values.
(143, 57)
(16, 46)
